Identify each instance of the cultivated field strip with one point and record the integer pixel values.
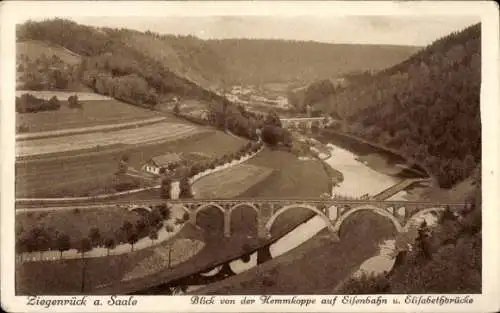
(90, 129)
(134, 136)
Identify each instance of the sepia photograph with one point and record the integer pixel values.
(247, 154)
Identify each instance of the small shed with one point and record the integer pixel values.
(161, 161)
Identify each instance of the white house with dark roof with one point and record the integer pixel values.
(161, 161)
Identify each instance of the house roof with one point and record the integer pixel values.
(166, 159)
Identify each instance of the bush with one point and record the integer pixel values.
(22, 128)
(73, 102)
(28, 103)
(54, 103)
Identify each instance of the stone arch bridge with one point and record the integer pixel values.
(402, 214)
(306, 122)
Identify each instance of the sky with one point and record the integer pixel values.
(394, 30)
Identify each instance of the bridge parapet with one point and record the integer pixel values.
(308, 122)
(402, 214)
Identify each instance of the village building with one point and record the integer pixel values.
(155, 164)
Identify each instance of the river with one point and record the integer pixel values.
(359, 179)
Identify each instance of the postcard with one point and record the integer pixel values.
(249, 156)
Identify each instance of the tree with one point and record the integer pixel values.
(54, 103)
(422, 245)
(109, 243)
(272, 119)
(169, 228)
(155, 217)
(166, 186)
(123, 164)
(63, 243)
(140, 226)
(153, 235)
(84, 246)
(272, 135)
(73, 102)
(164, 211)
(447, 215)
(40, 239)
(133, 237)
(126, 230)
(94, 236)
(185, 189)
(177, 110)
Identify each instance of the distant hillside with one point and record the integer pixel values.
(255, 61)
(186, 56)
(427, 106)
(212, 63)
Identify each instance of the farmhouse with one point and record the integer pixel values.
(161, 161)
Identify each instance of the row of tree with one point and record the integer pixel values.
(28, 103)
(39, 238)
(189, 171)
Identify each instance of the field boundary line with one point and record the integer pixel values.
(91, 129)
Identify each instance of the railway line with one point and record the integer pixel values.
(69, 203)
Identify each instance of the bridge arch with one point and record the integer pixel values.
(140, 208)
(247, 204)
(208, 205)
(243, 219)
(273, 218)
(412, 219)
(341, 219)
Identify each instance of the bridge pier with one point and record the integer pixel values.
(227, 224)
(264, 214)
(263, 255)
(192, 218)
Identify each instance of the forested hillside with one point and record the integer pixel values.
(256, 61)
(427, 107)
(110, 65)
